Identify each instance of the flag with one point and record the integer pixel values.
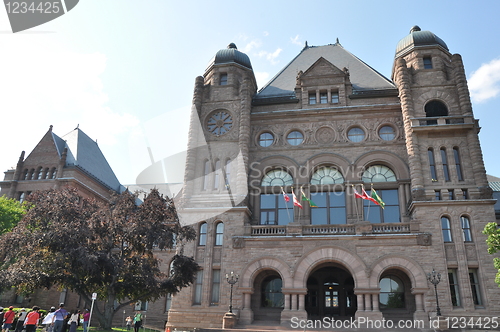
(285, 196)
(368, 197)
(356, 194)
(304, 198)
(377, 199)
(296, 201)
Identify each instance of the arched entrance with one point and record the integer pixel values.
(330, 292)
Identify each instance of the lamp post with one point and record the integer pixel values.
(434, 279)
(231, 279)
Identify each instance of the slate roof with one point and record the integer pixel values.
(85, 154)
(362, 76)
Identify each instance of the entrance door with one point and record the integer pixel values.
(330, 292)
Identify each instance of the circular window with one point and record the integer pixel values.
(266, 139)
(219, 123)
(387, 133)
(356, 134)
(295, 138)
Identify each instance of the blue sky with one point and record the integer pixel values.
(124, 71)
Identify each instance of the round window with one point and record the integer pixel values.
(266, 139)
(387, 133)
(356, 134)
(219, 123)
(295, 138)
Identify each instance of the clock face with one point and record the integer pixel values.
(219, 123)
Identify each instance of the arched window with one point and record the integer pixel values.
(435, 108)
(206, 173)
(327, 175)
(391, 293)
(31, 175)
(444, 159)
(39, 174)
(203, 234)
(467, 234)
(458, 164)
(432, 164)
(374, 213)
(54, 173)
(329, 206)
(219, 234)
(446, 228)
(25, 174)
(21, 197)
(272, 297)
(46, 173)
(277, 177)
(217, 174)
(378, 173)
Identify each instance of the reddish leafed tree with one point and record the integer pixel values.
(88, 247)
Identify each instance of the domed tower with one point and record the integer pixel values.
(219, 130)
(451, 200)
(440, 129)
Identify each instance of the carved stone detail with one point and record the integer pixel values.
(424, 239)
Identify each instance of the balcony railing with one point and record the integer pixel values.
(340, 230)
(442, 120)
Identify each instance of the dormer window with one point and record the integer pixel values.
(427, 62)
(223, 79)
(323, 97)
(335, 97)
(312, 98)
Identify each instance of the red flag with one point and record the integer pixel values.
(285, 196)
(296, 201)
(368, 197)
(356, 194)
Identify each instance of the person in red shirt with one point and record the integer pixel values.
(31, 320)
(8, 319)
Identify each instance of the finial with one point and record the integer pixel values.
(50, 128)
(232, 45)
(77, 126)
(415, 28)
(338, 40)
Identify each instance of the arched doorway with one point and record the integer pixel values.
(330, 292)
(268, 299)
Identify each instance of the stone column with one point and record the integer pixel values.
(294, 302)
(246, 313)
(302, 301)
(361, 302)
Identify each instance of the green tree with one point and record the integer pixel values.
(11, 212)
(86, 247)
(493, 241)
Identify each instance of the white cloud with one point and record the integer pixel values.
(271, 57)
(266, 33)
(296, 41)
(251, 45)
(484, 83)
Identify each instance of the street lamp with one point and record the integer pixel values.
(434, 279)
(231, 279)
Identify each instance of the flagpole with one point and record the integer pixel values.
(368, 210)
(356, 204)
(286, 203)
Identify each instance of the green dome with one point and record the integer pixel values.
(232, 55)
(418, 38)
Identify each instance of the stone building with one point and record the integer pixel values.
(333, 130)
(73, 160)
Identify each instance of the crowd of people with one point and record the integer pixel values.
(56, 320)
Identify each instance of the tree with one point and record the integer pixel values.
(11, 212)
(493, 241)
(86, 247)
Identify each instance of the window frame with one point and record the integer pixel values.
(466, 229)
(475, 287)
(202, 237)
(432, 164)
(458, 164)
(446, 230)
(427, 62)
(279, 205)
(444, 160)
(268, 141)
(198, 288)
(356, 137)
(293, 140)
(219, 234)
(454, 288)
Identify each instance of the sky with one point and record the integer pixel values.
(124, 71)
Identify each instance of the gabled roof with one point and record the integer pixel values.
(84, 153)
(362, 76)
